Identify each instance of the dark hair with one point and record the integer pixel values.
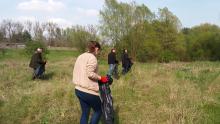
(92, 45)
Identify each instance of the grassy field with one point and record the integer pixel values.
(152, 93)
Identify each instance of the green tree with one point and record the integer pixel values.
(167, 27)
(124, 23)
(203, 42)
(142, 42)
(33, 45)
(26, 36)
(117, 19)
(80, 36)
(113, 24)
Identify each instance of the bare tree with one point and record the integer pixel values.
(38, 31)
(93, 31)
(51, 29)
(17, 28)
(2, 32)
(29, 26)
(8, 28)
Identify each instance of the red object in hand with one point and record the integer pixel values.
(104, 79)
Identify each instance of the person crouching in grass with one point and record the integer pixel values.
(37, 63)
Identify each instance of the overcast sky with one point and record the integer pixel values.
(83, 12)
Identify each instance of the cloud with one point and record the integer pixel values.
(26, 18)
(61, 22)
(87, 12)
(85, 16)
(41, 5)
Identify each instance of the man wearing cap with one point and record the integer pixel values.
(37, 63)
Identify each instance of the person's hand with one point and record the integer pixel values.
(104, 79)
(110, 80)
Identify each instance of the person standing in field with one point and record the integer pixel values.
(37, 63)
(126, 62)
(85, 78)
(111, 61)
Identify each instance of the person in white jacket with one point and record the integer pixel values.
(85, 78)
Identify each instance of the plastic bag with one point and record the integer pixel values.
(107, 101)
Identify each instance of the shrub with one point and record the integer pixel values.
(167, 56)
(31, 46)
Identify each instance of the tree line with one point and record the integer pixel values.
(147, 35)
(157, 36)
(49, 33)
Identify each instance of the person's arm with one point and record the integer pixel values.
(114, 58)
(40, 60)
(122, 59)
(32, 64)
(91, 69)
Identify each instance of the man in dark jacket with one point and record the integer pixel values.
(37, 63)
(126, 62)
(111, 61)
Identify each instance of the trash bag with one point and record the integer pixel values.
(107, 101)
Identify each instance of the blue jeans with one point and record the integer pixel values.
(88, 101)
(39, 71)
(111, 69)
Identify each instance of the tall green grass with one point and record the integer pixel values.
(151, 93)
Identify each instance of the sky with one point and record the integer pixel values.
(84, 12)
